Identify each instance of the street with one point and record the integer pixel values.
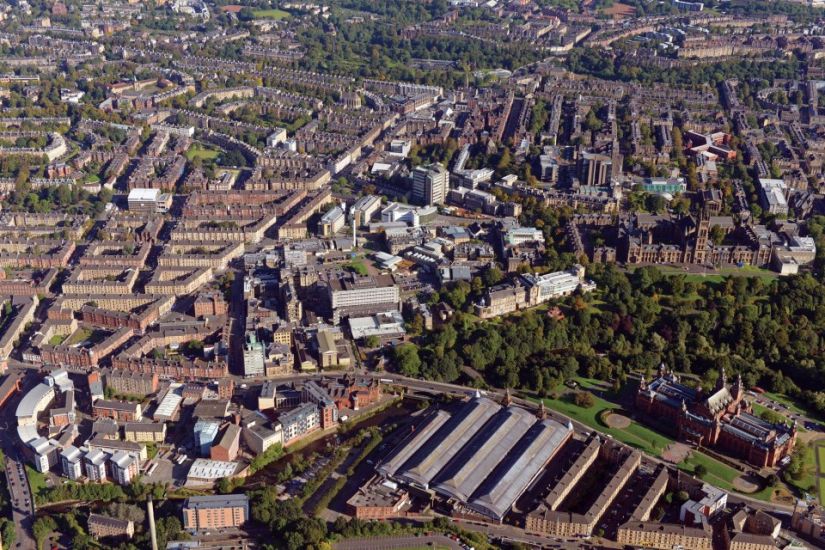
(22, 504)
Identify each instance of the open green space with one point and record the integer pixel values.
(807, 478)
(201, 152)
(56, 340)
(37, 481)
(636, 435)
(718, 275)
(640, 436)
(271, 14)
(358, 267)
(718, 474)
(820, 454)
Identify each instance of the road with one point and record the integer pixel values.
(393, 543)
(21, 503)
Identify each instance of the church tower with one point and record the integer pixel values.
(700, 245)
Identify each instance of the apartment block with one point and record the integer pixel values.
(215, 512)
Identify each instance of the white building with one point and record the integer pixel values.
(71, 462)
(773, 196)
(430, 184)
(696, 511)
(277, 137)
(124, 467)
(95, 465)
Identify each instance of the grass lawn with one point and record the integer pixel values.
(37, 481)
(92, 178)
(636, 435)
(357, 266)
(56, 340)
(718, 275)
(718, 474)
(271, 14)
(820, 452)
(809, 469)
(80, 335)
(203, 153)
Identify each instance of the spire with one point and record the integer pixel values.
(722, 381)
(684, 406)
(661, 370)
(508, 399)
(542, 411)
(738, 388)
(643, 383)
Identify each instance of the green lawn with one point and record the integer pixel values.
(56, 340)
(203, 153)
(78, 336)
(809, 470)
(643, 438)
(820, 453)
(636, 435)
(719, 275)
(718, 474)
(357, 266)
(37, 481)
(271, 14)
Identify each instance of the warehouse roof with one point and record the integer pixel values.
(519, 468)
(437, 451)
(477, 460)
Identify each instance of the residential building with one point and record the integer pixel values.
(101, 527)
(121, 411)
(253, 356)
(300, 421)
(154, 432)
(124, 467)
(215, 512)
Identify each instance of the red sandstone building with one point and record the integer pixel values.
(722, 419)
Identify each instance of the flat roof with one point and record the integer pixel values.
(203, 468)
(216, 501)
(434, 455)
(143, 194)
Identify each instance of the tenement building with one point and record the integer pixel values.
(722, 419)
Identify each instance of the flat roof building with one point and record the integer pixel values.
(215, 512)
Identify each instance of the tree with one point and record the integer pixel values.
(42, 528)
(407, 360)
(717, 234)
(584, 399)
(700, 470)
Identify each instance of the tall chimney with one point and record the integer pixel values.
(150, 510)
